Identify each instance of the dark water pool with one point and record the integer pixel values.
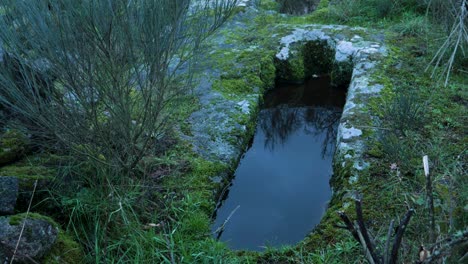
(281, 186)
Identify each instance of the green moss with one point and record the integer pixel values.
(312, 58)
(13, 145)
(323, 4)
(318, 57)
(291, 70)
(256, 75)
(16, 219)
(269, 5)
(268, 71)
(376, 150)
(28, 172)
(341, 73)
(27, 175)
(64, 251)
(232, 86)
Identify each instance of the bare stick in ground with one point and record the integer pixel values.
(430, 198)
(360, 232)
(363, 229)
(399, 237)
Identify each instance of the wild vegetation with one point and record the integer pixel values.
(93, 94)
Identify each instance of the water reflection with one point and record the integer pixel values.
(280, 122)
(280, 188)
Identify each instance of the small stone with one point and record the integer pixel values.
(8, 194)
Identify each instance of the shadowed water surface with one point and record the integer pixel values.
(281, 186)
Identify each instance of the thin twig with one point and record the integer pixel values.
(374, 127)
(24, 223)
(446, 246)
(363, 229)
(220, 229)
(457, 36)
(464, 234)
(399, 236)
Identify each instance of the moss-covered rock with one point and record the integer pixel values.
(13, 146)
(63, 249)
(36, 237)
(27, 175)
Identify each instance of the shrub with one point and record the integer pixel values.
(297, 7)
(405, 112)
(412, 25)
(453, 15)
(365, 10)
(116, 70)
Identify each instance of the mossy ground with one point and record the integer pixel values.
(186, 198)
(13, 145)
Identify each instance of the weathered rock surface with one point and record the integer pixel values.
(353, 55)
(213, 127)
(8, 194)
(37, 239)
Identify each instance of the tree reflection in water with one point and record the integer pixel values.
(313, 106)
(280, 122)
(282, 181)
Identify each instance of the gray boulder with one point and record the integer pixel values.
(8, 194)
(36, 241)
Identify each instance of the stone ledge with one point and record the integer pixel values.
(364, 55)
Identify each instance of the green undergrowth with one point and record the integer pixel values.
(164, 214)
(416, 116)
(13, 145)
